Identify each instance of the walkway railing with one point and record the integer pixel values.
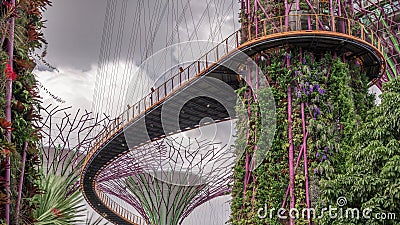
(119, 210)
(262, 29)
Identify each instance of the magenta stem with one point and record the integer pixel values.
(256, 17)
(342, 26)
(303, 118)
(286, 14)
(20, 184)
(246, 175)
(266, 14)
(10, 51)
(304, 148)
(295, 168)
(332, 15)
(248, 10)
(315, 13)
(291, 152)
(291, 147)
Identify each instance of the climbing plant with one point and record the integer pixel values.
(328, 96)
(370, 179)
(22, 150)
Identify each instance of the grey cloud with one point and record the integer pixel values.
(75, 27)
(73, 31)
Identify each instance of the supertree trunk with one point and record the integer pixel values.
(303, 79)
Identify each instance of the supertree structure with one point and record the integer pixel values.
(165, 180)
(67, 137)
(320, 90)
(384, 18)
(317, 58)
(166, 177)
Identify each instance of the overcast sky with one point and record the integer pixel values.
(86, 34)
(109, 40)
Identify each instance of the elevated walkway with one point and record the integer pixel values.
(143, 123)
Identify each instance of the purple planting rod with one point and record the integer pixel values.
(305, 134)
(10, 51)
(248, 10)
(248, 173)
(256, 17)
(342, 26)
(303, 119)
(290, 137)
(21, 181)
(286, 14)
(295, 168)
(291, 152)
(332, 18)
(266, 14)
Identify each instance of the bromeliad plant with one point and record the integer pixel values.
(60, 202)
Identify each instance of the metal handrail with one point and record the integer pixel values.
(119, 210)
(315, 22)
(263, 29)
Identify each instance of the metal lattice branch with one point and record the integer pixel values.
(167, 179)
(384, 18)
(67, 138)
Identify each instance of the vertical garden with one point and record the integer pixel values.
(329, 100)
(21, 23)
(328, 129)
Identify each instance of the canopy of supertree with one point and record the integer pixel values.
(166, 179)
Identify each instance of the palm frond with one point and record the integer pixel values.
(54, 206)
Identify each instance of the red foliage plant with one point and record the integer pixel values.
(9, 72)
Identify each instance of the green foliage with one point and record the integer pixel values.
(371, 178)
(335, 96)
(55, 207)
(28, 38)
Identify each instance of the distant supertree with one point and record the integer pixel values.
(384, 18)
(167, 179)
(66, 138)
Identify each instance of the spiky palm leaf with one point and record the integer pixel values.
(55, 207)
